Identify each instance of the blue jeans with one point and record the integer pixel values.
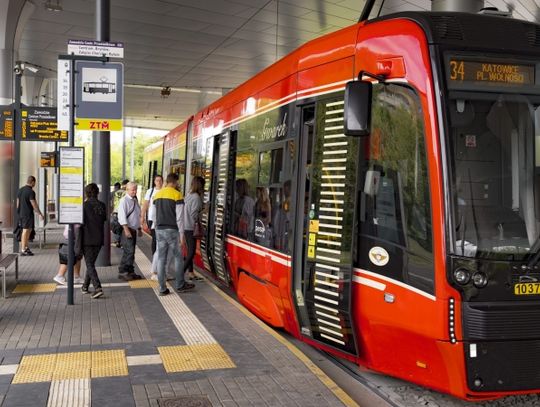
(168, 239)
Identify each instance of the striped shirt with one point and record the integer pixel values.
(169, 204)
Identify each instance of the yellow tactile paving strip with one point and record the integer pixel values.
(34, 288)
(194, 357)
(35, 369)
(143, 283)
(109, 363)
(72, 366)
(76, 365)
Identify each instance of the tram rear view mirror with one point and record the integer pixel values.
(357, 111)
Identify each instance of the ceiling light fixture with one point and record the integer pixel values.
(165, 91)
(55, 5)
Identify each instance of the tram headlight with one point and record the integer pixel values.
(480, 279)
(462, 276)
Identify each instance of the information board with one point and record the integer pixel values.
(71, 187)
(96, 48)
(6, 122)
(39, 124)
(48, 159)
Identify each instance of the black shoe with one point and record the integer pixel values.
(164, 293)
(98, 293)
(186, 287)
(125, 276)
(27, 252)
(84, 290)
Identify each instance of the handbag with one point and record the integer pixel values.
(17, 232)
(198, 230)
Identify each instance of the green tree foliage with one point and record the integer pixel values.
(140, 142)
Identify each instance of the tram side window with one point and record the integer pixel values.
(396, 184)
(261, 211)
(244, 195)
(269, 198)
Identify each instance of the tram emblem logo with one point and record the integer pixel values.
(260, 229)
(379, 256)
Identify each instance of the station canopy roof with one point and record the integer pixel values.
(204, 46)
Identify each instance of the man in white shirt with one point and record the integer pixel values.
(129, 216)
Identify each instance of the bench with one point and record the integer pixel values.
(41, 232)
(7, 260)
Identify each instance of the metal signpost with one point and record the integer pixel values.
(90, 97)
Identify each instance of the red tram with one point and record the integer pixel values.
(376, 194)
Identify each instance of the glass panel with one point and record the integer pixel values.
(495, 169)
(244, 194)
(265, 163)
(395, 196)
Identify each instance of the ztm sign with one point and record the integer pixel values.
(96, 124)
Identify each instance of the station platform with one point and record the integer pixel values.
(134, 348)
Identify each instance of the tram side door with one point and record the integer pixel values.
(322, 263)
(219, 174)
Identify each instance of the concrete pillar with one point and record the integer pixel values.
(10, 16)
(467, 6)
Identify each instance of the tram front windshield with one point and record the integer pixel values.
(495, 172)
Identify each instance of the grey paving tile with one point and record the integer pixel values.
(147, 374)
(160, 326)
(27, 395)
(140, 348)
(179, 388)
(139, 392)
(166, 390)
(112, 391)
(152, 390)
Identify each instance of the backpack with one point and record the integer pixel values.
(116, 227)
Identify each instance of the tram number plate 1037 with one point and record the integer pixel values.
(527, 288)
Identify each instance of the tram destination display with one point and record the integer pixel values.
(39, 124)
(476, 72)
